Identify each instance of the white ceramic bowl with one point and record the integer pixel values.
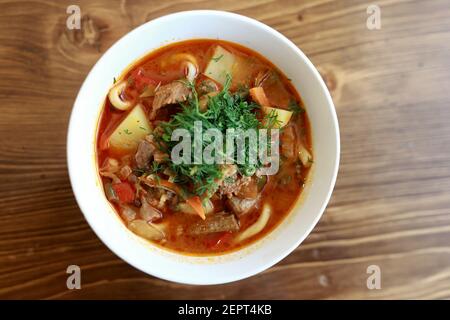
(82, 161)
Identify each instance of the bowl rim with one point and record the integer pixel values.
(287, 249)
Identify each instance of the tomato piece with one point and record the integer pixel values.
(140, 80)
(124, 191)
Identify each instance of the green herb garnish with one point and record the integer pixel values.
(156, 167)
(226, 110)
(295, 107)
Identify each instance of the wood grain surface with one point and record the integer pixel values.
(391, 204)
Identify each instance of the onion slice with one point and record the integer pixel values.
(146, 230)
(191, 71)
(115, 98)
(257, 227)
(304, 156)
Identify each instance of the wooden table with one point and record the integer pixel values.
(391, 204)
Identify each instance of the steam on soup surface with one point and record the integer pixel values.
(201, 208)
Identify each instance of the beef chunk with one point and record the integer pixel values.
(232, 185)
(215, 223)
(241, 206)
(249, 190)
(170, 93)
(207, 86)
(144, 154)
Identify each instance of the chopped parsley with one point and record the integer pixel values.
(295, 107)
(225, 110)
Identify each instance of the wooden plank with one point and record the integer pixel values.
(391, 205)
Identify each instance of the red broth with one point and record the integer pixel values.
(280, 192)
